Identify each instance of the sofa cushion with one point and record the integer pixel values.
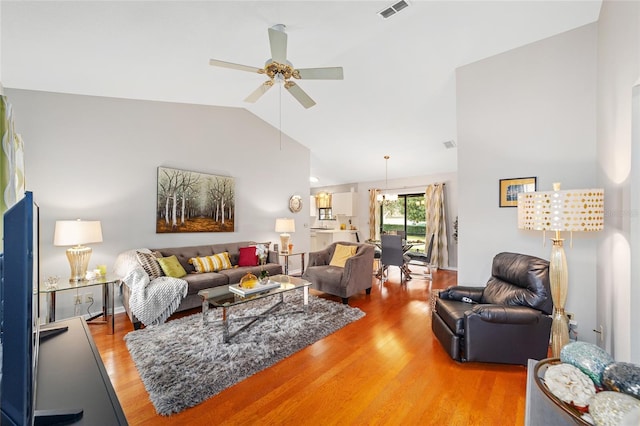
(235, 274)
(341, 254)
(248, 256)
(214, 263)
(205, 280)
(171, 267)
(149, 262)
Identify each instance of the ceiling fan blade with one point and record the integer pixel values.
(300, 95)
(330, 73)
(223, 64)
(256, 94)
(278, 43)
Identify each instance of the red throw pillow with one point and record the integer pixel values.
(248, 257)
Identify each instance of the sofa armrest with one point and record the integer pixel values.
(273, 257)
(457, 292)
(505, 314)
(319, 258)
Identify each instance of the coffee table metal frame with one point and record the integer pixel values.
(222, 297)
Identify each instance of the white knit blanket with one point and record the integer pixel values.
(152, 302)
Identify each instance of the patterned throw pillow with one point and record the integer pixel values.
(262, 249)
(214, 263)
(149, 262)
(171, 267)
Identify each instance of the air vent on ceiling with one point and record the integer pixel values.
(449, 144)
(392, 10)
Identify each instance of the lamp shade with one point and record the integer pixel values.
(384, 196)
(285, 224)
(77, 232)
(578, 210)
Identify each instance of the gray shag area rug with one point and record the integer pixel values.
(184, 362)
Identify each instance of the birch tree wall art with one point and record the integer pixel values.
(194, 202)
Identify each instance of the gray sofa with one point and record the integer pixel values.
(343, 282)
(200, 281)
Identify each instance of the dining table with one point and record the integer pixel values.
(406, 246)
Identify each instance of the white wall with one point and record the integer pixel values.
(97, 158)
(411, 185)
(530, 111)
(619, 173)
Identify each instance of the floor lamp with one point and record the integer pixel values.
(579, 210)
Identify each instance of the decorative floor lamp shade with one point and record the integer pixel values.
(285, 225)
(76, 233)
(578, 210)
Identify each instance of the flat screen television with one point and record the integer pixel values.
(20, 321)
(20, 332)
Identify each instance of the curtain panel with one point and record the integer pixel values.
(436, 224)
(11, 162)
(374, 213)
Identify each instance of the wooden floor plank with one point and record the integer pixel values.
(386, 368)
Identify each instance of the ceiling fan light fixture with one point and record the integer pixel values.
(279, 70)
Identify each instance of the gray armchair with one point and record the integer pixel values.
(338, 281)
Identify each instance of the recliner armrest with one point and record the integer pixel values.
(457, 292)
(359, 263)
(504, 314)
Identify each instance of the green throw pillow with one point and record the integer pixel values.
(172, 267)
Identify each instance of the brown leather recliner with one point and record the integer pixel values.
(507, 321)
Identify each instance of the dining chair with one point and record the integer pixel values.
(423, 259)
(392, 255)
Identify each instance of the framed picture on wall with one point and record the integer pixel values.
(510, 188)
(194, 202)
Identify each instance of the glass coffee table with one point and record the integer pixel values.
(222, 297)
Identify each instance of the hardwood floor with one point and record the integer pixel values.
(386, 368)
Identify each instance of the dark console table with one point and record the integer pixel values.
(71, 375)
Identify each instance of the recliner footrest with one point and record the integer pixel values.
(450, 342)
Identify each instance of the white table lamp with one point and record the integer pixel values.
(76, 233)
(284, 225)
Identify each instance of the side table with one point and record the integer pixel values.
(107, 282)
(286, 261)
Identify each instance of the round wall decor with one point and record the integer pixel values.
(295, 203)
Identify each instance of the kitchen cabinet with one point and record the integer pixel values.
(345, 203)
(312, 206)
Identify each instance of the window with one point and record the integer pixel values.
(405, 215)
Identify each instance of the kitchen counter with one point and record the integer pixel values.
(321, 238)
(333, 230)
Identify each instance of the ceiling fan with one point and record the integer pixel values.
(279, 70)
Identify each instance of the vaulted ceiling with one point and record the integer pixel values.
(398, 92)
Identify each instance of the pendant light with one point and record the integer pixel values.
(385, 196)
